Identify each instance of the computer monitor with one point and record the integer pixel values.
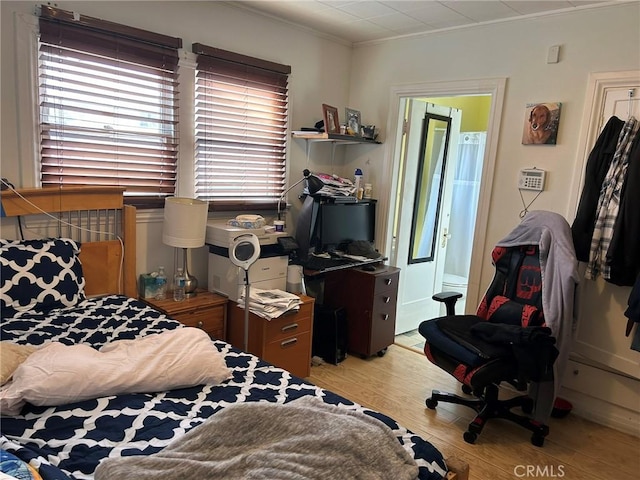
(338, 224)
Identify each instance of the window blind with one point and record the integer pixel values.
(108, 105)
(241, 124)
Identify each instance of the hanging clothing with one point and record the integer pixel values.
(609, 202)
(623, 254)
(633, 314)
(596, 170)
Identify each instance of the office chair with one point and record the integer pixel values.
(520, 333)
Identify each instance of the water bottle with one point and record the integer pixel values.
(161, 284)
(178, 285)
(357, 180)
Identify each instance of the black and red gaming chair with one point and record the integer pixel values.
(506, 341)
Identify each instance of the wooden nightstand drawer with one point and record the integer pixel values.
(288, 325)
(291, 353)
(211, 320)
(206, 310)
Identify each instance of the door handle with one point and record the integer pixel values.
(445, 236)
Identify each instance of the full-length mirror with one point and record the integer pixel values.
(429, 183)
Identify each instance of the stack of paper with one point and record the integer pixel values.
(270, 303)
(334, 186)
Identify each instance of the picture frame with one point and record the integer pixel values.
(353, 121)
(541, 123)
(331, 120)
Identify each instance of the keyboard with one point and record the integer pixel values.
(321, 263)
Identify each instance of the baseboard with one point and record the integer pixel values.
(602, 412)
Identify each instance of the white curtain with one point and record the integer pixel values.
(466, 189)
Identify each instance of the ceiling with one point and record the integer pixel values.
(355, 21)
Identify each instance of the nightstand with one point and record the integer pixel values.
(206, 310)
(284, 341)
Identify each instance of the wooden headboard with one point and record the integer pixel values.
(102, 217)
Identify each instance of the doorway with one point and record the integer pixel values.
(398, 236)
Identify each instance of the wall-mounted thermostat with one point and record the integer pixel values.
(531, 179)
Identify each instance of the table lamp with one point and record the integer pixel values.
(185, 226)
(314, 185)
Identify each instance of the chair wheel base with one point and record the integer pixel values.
(537, 440)
(470, 437)
(431, 403)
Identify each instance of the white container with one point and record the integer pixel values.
(368, 190)
(179, 281)
(295, 279)
(161, 284)
(357, 179)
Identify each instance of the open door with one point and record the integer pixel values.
(430, 142)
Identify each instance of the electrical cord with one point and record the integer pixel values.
(525, 210)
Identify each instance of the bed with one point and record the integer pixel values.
(243, 414)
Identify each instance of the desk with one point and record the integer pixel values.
(370, 299)
(313, 266)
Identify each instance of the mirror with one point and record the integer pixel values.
(429, 182)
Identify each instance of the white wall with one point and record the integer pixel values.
(597, 40)
(320, 74)
(602, 39)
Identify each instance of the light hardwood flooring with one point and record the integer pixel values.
(398, 383)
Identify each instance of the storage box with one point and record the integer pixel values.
(147, 285)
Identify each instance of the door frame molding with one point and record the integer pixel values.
(592, 123)
(487, 86)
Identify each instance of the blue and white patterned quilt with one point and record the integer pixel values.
(68, 442)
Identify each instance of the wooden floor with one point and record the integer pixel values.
(398, 383)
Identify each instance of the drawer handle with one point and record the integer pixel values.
(387, 299)
(287, 343)
(200, 324)
(291, 326)
(385, 316)
(387, 281)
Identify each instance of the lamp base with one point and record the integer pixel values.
(190, 286)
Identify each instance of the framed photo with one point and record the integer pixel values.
(353, 121)
(541, 123)
(331, 121)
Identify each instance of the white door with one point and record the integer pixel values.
(598, 340)
(430, 144)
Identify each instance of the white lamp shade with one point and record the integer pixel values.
(185, 222)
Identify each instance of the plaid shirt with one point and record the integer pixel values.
(609, 202)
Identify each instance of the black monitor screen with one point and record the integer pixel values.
(340, 223)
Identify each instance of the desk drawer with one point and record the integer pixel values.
(292, 353)
(387, 281)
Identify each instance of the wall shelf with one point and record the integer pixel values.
(334, 138)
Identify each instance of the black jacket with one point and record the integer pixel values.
(623, 254)
(596, 170)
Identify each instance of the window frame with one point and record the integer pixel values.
(213, 67)
(160, 51)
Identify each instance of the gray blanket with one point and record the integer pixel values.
(304, 439)
(559, 269)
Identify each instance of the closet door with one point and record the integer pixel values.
(600, 335)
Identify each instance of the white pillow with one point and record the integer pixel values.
(58, 374)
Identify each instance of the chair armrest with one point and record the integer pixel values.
(449, 299)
